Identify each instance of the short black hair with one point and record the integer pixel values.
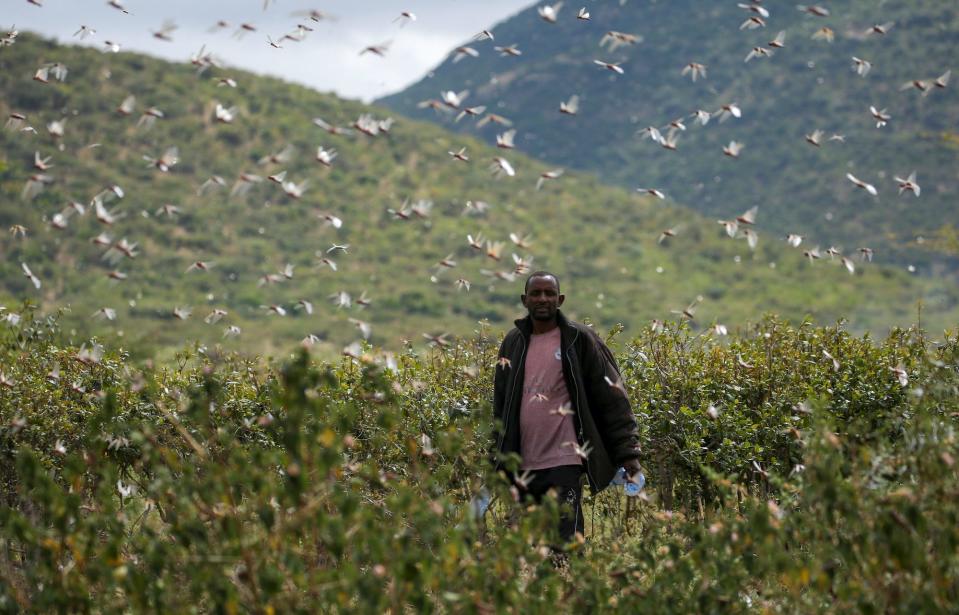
(541, 274)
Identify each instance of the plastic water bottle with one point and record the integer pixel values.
(633, 487)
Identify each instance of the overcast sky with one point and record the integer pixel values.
(328, 59)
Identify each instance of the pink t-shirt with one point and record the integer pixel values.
(545, 416)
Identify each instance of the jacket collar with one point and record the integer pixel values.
(567, 333)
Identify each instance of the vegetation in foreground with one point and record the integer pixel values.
(792, 468)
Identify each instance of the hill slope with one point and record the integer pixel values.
(809, 84)
(212, 250)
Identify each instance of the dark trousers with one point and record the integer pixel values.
(566, 481)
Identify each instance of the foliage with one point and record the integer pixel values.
(601, 241)
(219, 484)
(807, 85)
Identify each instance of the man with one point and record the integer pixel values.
(560, 404)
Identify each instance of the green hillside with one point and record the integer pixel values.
(809, 84)
(601, 241)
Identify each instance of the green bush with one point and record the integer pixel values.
(218, 483)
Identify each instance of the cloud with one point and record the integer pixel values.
(328, 59)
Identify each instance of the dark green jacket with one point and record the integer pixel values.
(603, 418)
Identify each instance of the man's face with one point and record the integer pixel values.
(542, 298)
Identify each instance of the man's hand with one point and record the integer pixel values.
(632, 468)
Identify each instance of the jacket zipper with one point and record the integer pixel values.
(509, 397)
(582, 440)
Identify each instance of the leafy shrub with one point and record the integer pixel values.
(218, 483)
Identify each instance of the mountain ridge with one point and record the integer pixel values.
(808, 85)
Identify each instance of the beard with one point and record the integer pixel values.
(543, 314)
